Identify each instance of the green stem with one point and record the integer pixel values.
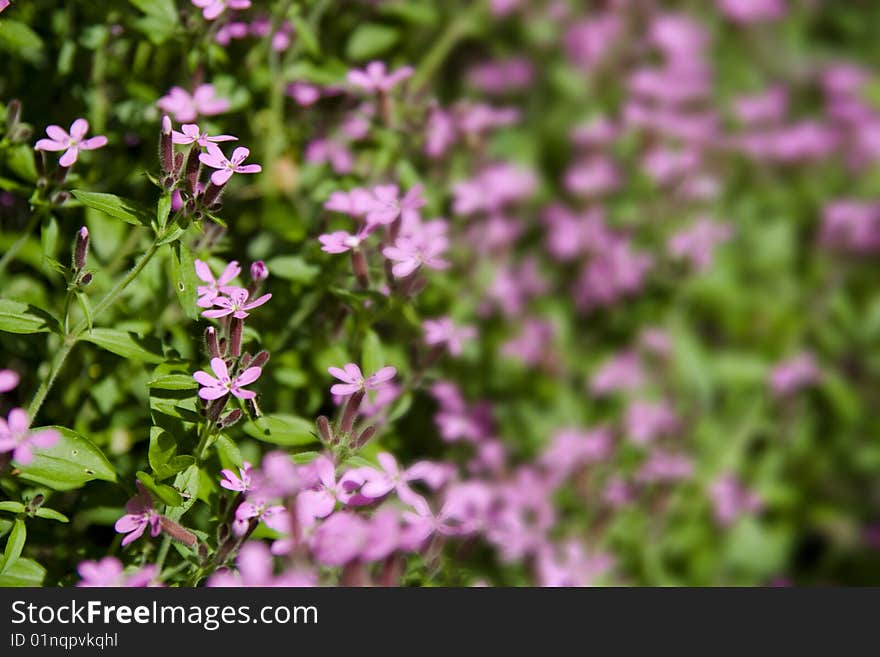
(455, 32)
(163, 553)
(46, 385)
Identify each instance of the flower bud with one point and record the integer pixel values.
(212, 193)
(324, 430)
(177, 532)
(235, 331)
(166, 147)
(85, 279)
(193, 167)
(260, 359)
(231, 418)
(259, 271)
(81, 248)
(350, 412)
(13, 114)
(365, 436)
(359, 267)
(211, 344)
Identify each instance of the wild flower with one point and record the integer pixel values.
(109, 572)
(223, 384)
(71, 143)
(212, 9)
(215, 286)
(353, 379)
(235, 304)
(375, 78)
(139, 515)
(17, 437)
(215, 159)
(190, 133)
(186, 107)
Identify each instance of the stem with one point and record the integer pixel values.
(163, 553)
(46, 385)
(455, 32)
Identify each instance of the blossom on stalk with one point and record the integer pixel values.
(109, 572)
(443, 331)
(8, 380)
(392, 478)
(187, 107)
(340, 241)
(375, 78)
(413, 251)
(214, 388)
(16, 436)
(355, 202)
(139, 514)
(242, 482)
(190, 133)
(386, 205)
(215, 159)
(211, 9)
(353, 379)
(215, 286)
(259, 508)
(236, 304)
(72, 143)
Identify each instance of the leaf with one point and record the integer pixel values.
(160, 19)
(369, 40)
(51, 514)
(163, 209)
(281, 430)
(228, 452)
(183, 275)
(174, 382)
(12, 507)
(21, 41)
(131, 212)
(14, 545)
(162, 454)
(372, 357)
(86, 306)
(187, 482)
(24, 572)
(49, 236)
(123, 343)
(17, 317)
(72, 462)
(293, 268)
(167, 494)
(306, 35)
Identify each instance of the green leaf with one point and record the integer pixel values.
(183, 275)
(12, 507)
(86, 306)
(369, 40)
(281, 430)
(174, 382)
(160, 19)
(49, 236)
(167, 494)
(372, 356)
(228, 452)
(51, 514)
(72, 462)
(24, 572)
(131, 212)
(306, 35)
(163, 209)
(293, 268)
(125, 344)
(17, 317)
(14, 545)
(187, 482)
(162, 454)
(21, 41)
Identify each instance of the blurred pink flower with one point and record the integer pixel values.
(108, 572)
(187, 108)
(730, 500)
(139, 514)
(16, 436)
(375, 78)
(411, 252)
(353, 380)
(443, 331)
(752, 11)
(242, 482)
(646, 421)
(697, 242)
(211, 9)
(791, 375)
(8, 380)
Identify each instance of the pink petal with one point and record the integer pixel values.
(203, 271)
(383, 375)
(214, 314)
(220, 369)
(45, 439)
(221, 177)
(129, 523)
(79, 129)
(250, 375)
(326, 471)
(231, 271)
(212, 393)
(205, 379)
(344, 389)
(18, 421)
(388, 463)
(95, 142)
(250, 168)
(240, 154)
(69, 157)
(23, 454)
(353, 372)
(259, 301)
(57, 133)
(50, 145)
(342, 375)
(242, 394)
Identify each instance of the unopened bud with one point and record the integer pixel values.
(13, 114)
(260, 359)
(359, 267)
(351, 410)
(166, 125)
(215, 408)
(235, 331)
(81, 248)
(193, 167)
(259, 271)
(85, 279)
(212, 193)
(166, 147)
(178, 164)
(324, 430)
(177, 532)
(231, 418)
(211, 344)
(60, 197)
(365, 436)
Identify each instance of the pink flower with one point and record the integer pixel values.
(622, 372)
(385, 205)
(320, 501)
(215, 287)
(8, 380)
(190, 133)
(303, 93)
(211, 9)
(186, 108)
(108, 572)
(570, 565)
(697, 242)
(376, 79)
(71, 143)
(665, 467)
(3, 5)
(752, 11)
(242, 482)
(223, 384)
(354, 203)
(340, 241)
(215, 159)
(412, 251)
(393, 479)
(791, 375)
(353, 380)
(139, 515)
(443, 331)
(338, 155)
(236, 304)
(648, 420)
(16, 437)
(340, 539)
(259, 271)
(730, 500)
(256, 568)
(259, 508)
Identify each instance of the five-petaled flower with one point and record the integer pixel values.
(340, 241)
(190, 133)
(16, 437)
(353, 380)
(71, 144)
(411, 252)
(187, 107)
(386, 205)
(444, 331)
(376, 78)
(139, 514)
(241, 482)
(236, 304)
(215, 159)
(211, 9)
(215, 286)
(214, 388)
